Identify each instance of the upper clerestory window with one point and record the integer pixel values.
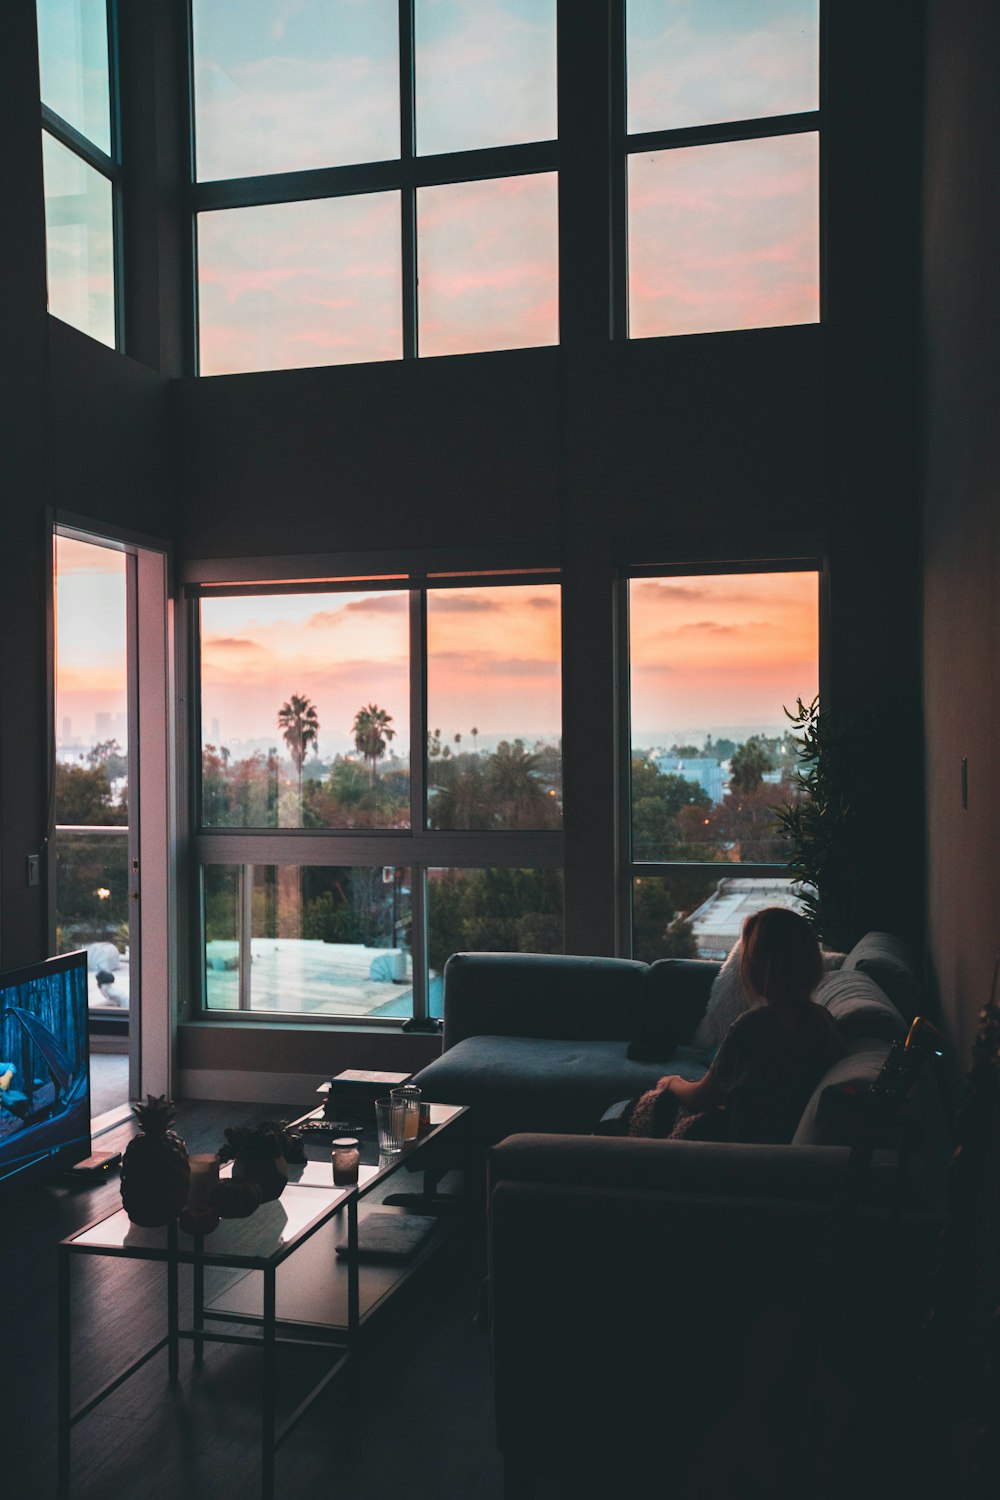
(81, 163)
(722, 164)
(373, 180)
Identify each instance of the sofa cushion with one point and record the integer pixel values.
(676, 996)
(547, 1084)
(859, 1006)
(836, 1107)
(541, 995)
(888, 960)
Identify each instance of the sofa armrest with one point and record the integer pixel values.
(547, 995)
(631, 1279)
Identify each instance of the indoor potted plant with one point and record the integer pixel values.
(259, 1154)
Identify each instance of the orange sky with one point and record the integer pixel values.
(711, 653)
(708, 654)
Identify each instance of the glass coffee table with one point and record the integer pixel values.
(314, 1295)
(283, 1271)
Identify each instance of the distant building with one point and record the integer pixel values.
(709, 775)
(718, 921)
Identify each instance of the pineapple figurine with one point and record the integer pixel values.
(155, 1170)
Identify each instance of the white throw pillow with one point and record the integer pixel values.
(727, 1000)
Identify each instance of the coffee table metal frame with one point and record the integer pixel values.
(176, 1250)
(236, 1305)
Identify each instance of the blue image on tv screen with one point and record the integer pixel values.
(44, 1065)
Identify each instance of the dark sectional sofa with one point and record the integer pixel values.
(537, 1042)
(630, 1278)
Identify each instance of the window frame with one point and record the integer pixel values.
(809, 560)
(418, 847)
(405, 175)
(624, 145)
(110, 166)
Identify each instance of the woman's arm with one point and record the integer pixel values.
(693, 1097)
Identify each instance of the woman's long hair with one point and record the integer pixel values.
(780, 960)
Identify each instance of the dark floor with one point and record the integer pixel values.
(413, 1419)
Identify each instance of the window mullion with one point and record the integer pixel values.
(408, 197)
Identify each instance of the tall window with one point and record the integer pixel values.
(720, 131)
(380, 786)
(375, 179)
(81, 162)
(92, 766)
(714, 662)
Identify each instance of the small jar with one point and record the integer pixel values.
(346, 1158)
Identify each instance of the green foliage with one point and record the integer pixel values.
(494, 911)
(747, 765)
(298, 721)
(83, 795)
(658, 800)
(657, 930)
(371, 735)
(824, 828)
(512, 788)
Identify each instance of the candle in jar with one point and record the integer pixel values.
(345, 1161)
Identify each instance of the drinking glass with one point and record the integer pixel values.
(390, 1118)
(408, 1095)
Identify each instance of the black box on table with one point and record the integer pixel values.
(354, 1091)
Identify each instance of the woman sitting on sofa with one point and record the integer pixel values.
(772, 1056)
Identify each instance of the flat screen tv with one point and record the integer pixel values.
(44, 1067)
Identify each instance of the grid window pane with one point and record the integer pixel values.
(490, 911)
(73, 65)
(714, 662)
(324, 940)
(485, 73)
(489, 264)
(494, 706)
(305, 711)
(718, 60)
(79, 242)
(91, 682)
(220, 894)
(283, 88)
(288, 285)
(698, 915)
(724, 236)
(92, 911)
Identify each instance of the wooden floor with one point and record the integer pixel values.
(414, 1419)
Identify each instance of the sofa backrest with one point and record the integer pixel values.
(674, 1000)
(889, 961)
(542, 995)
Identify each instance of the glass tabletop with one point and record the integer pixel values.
(269, 1232)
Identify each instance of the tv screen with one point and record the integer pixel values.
(44, 1066)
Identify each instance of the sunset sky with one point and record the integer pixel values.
(719, 237)
(708, 654)
(721, 653)
(91, 673)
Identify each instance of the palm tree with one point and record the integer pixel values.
(515, 797)
(371, 732)
(299, 723)
(474, 732)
